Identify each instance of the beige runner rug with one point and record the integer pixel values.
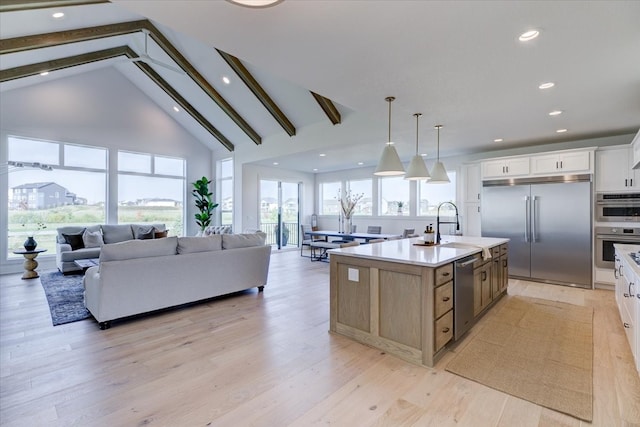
(537, 350)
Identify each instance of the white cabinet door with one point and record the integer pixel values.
(579, 161)
(472, 223)
(505, 167)
(613, 170)
(472, 182)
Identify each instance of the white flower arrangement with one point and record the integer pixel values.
(348, 202)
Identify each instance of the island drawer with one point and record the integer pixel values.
(495, 251)
(444, 274)
(443, 299)
(443, 332)
(503, 249)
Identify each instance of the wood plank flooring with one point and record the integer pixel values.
(266, 359)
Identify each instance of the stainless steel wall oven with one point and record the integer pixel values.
(606, 237)
(623, 207)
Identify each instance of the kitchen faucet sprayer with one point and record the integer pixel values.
(438, 222)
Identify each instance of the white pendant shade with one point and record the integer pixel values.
(389, 164)
(417, 169)
(439, 174)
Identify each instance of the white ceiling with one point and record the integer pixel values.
(458, 63)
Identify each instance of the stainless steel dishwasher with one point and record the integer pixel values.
(463, 295)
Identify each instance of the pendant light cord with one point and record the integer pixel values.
(417, 117)
(438, 155)
(389, 99)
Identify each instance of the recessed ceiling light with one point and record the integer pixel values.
(529, 35)
(58, 15)
(226, 80)
(44, 73)
(546, 85)
(498, 140)
(275, 163)
(315, 169)
(322, 155)
(423, 154)
(561, 130)
(360, 163)
(555, 113)
(176, 109)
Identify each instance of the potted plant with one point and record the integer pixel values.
(204, 204)
(285, 234)
(400, 206)
(30, 244)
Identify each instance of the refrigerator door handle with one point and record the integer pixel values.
(527, 209)
(533, 219)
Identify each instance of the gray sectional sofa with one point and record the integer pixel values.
(79, 242)
(141, 276)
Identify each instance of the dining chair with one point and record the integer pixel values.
(409, 232)
(374, 229)
(306, 238)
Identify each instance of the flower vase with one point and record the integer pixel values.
(30, 244)
(348, 227)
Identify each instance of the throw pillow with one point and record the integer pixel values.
(157, 234)
(144, 233)
(75, 240)
(92, 239)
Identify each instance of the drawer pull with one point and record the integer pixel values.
(445, 274)
(446, 329)
(445, 299)
(626, 325)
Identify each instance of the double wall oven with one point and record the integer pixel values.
(623, 210)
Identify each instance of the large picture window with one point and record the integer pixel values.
(328, 197)
(394, 196)
(54, 184)
(364, 187)
(225, 191)
(431, 195)
(151, 190)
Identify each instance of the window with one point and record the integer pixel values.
(72, 193)
(365, 187)
(151, 197)
(394, 196)
(225, 191)
(329, 204)
(431, 195)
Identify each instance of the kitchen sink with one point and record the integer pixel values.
(458, 245)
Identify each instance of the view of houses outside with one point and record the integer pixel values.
(269, 204)
(74, 192)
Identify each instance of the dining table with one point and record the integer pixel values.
(352, 236)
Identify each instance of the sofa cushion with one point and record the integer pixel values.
(235, 241)
(188, 245)
(92, 239)
(84, 253)
(138, 249)
(143, 232)
(74, 240)
(115, 233)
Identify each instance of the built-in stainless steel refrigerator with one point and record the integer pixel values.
(548, 222)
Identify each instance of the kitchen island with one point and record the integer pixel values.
(398, 296)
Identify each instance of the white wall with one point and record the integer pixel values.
(100, 108)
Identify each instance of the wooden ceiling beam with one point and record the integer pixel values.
(257, 90)
(87, 58)
(16, 5)
(329, 108)
(20, 44)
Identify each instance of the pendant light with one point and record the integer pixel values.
(389, 163)
(417, 169)
(438, 173)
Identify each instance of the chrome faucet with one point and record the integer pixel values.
(438, 222)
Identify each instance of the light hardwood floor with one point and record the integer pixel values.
(266, 359)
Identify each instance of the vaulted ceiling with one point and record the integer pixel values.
(458, 63)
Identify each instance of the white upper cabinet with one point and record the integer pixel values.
(507, 167)
(554, 163)
(635, 144)
(614, 170)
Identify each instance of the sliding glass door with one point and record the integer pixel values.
(279, 212)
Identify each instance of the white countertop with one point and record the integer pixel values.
(404, 250)
(624, 250)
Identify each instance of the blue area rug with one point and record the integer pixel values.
(65, 297)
